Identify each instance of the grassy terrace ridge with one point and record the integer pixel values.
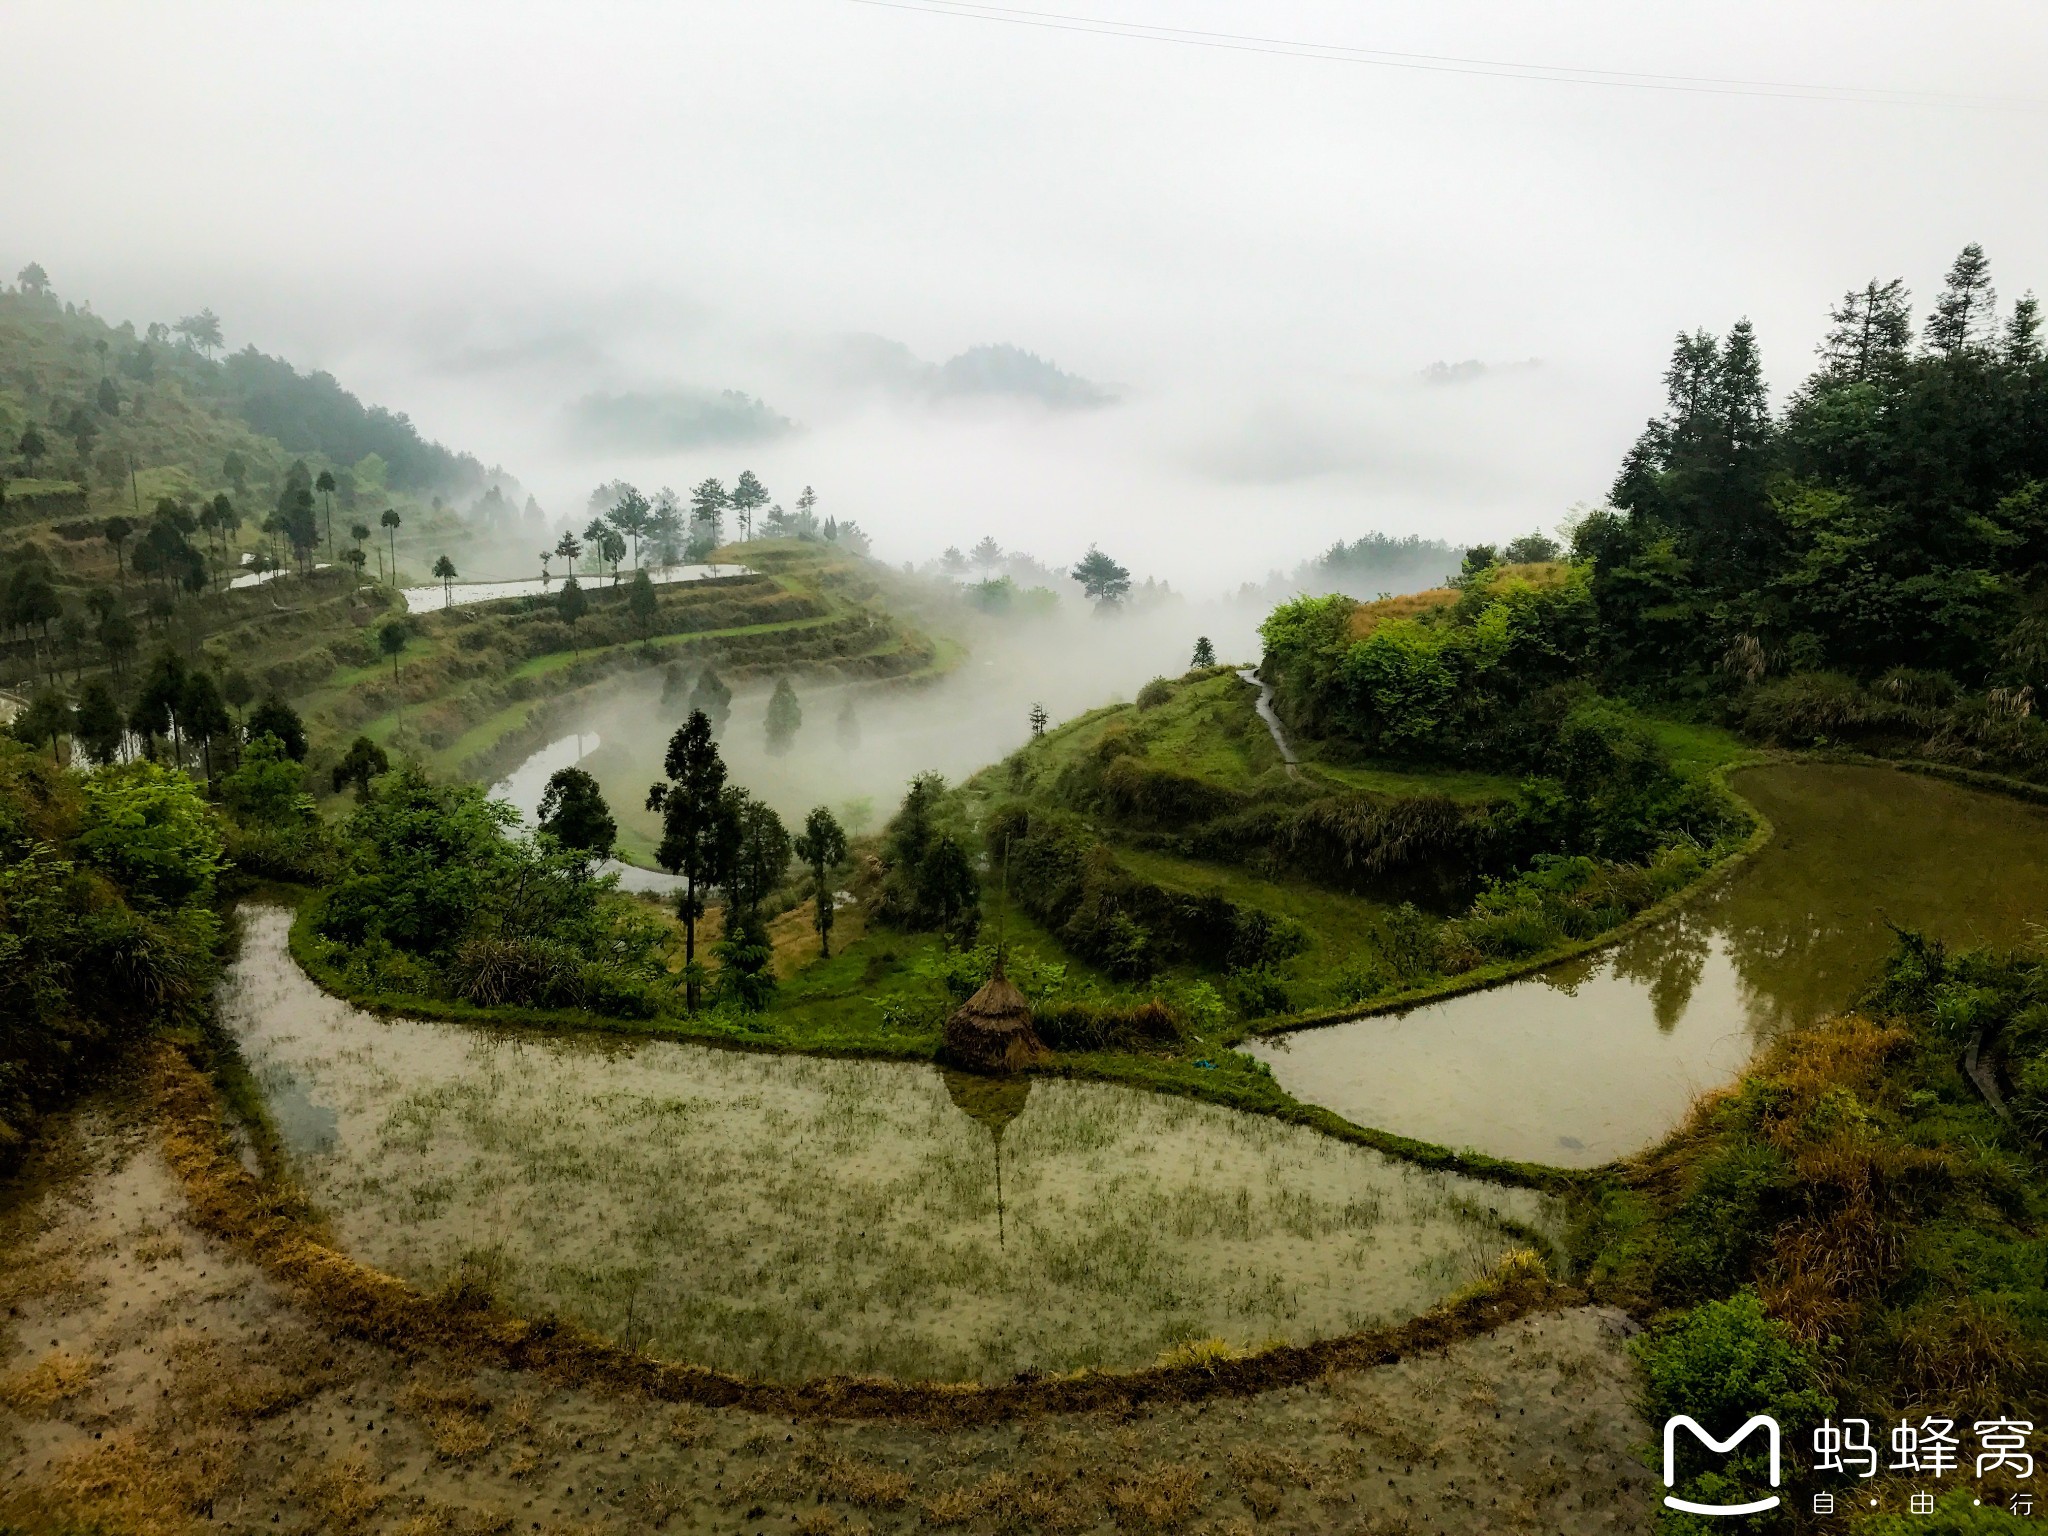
(480, 683)
(1504, 971)
(1171, 791)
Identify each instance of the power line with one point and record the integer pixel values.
(1450, 64)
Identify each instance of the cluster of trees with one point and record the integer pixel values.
(307, 414)
(1502, 677)
(1103, 581)
(1872, 559)
(929, 880)
(170, 713)
(435, 893)
(716, 836)
(1892, 515)
(674, 528)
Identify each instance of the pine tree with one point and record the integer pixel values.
(1205, 653)
(100, 726)
(572, 605)
(708, 501)
(748, 495)
(695, 838)
(2023, 333)
(1965, 313)
(642, 604)
(1039, 718)
(1869, 333)
(1101, 578)
(822, 845)
(445, 573)
(712, 699)
(785, 716)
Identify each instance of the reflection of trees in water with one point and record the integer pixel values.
(1795, 963)
(1667, 960)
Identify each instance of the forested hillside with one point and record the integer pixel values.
(118, 413)
(1867, 565)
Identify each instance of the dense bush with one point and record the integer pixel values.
(1563, 898)
(1070, 881)
(106, 919)
(1155, 693)
(1720, 1363)
(929, 880)
(436, 895)
(1144, 793)
(1448, 683)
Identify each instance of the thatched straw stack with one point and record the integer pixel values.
(991, 1031)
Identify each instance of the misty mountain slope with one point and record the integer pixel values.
(94, 390)
(648, 421)
(993, 371)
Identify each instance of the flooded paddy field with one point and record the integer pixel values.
(789, 1216)
(1599, 1057)
(153, 1380)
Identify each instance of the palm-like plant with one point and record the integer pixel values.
(444, 572)
(390, 519)
(325, 486)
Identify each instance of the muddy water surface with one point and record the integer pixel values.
(1599, 1057)
(790, 1216)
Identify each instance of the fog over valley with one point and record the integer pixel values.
(884, 251)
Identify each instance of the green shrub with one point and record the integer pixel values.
(1738, 1194)
(1088, 1025)
(1718, 1364)
(1137, 790)
(1256, 992)
(2030, 1096)
(1155, 693)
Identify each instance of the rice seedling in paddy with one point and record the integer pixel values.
(795, 1216)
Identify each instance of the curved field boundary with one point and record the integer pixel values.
(1486, 977)
(262, 1222)
(1152, 1075)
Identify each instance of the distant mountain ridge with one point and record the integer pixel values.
(650, 420)
(996, 370)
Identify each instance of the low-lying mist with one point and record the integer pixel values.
(978, 713)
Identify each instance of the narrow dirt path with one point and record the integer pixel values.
(1272, 719)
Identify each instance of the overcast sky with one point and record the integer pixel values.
(484, 214)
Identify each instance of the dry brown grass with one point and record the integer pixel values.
(815, 1472)
(1160, 1497)
(455, 1520)
(1042, 1497)
(44, 1275)
(1950, 1355)
(209, 1385)
(453, 1414)
(1199, 1352)
(143, 1482)
(1264, 1475)
(1367, 617)
(37, 1388)
(343, 1493)
(154, 1250)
